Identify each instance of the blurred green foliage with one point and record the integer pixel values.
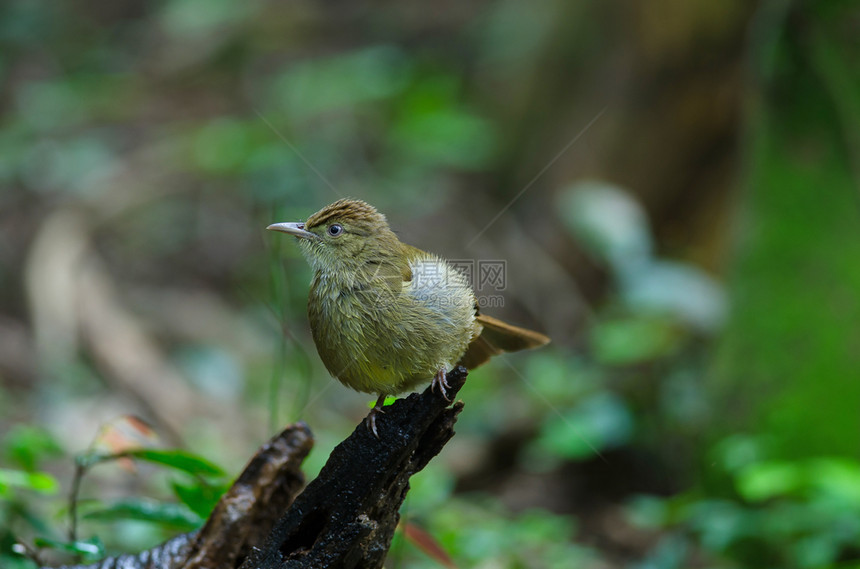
(784, 514)
(196, 490)
(796, 304)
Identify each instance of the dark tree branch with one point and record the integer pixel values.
(347, 516)
(246, 514)
(344, 519)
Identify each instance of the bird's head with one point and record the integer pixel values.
(342, 236)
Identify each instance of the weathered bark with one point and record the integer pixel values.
(345, 518)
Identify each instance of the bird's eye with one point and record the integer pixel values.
(335, 229)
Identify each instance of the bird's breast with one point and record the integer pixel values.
(379, 338)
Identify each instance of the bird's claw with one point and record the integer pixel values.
(440, 380)
(371, 417)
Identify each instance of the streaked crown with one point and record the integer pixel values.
(361, 217)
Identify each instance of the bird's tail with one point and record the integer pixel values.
(498, 337)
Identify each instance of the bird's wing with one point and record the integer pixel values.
(392, 272)
(478, 352)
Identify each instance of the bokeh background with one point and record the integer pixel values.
(673, 186)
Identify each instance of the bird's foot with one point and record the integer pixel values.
(371, 417)
(440, 380)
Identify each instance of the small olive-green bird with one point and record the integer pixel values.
(386, 316)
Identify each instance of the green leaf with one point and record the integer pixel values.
(27, 445)
(177, 459)
(200, 498)
(37, 481)
(388, 401)
(90, 549)
(769, 479)
(172, 515)
(836, 478)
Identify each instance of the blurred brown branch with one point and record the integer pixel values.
(346, 517)
(243, 516)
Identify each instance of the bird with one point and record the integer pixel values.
(386, 316)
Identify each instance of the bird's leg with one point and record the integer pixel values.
(377, 409)
(440, 380)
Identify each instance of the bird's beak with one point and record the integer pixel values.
(297, 229)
